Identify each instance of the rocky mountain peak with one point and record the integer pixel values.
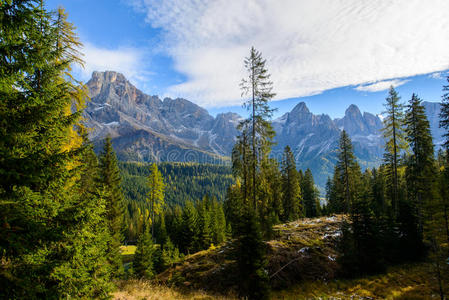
(121, 110)
(108, 76)
(353, 111)
(102, 80)
(300, 108)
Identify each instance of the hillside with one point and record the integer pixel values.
(302, 265)
(301, 250)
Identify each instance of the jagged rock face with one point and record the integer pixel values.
(145, 128)
(314, 138)
(307, 134)
(365, 133)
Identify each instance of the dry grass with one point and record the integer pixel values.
(413, 281)
(141, 289)
(400, 282)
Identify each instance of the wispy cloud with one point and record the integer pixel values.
(436, 75)
(381, 85)
(310, 46)
(128, 61)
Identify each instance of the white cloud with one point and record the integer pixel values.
(381, 85)
(127, 61)
(310, 46)
(436, 75)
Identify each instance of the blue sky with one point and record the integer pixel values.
(332, 56)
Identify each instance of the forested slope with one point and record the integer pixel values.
(184, 181)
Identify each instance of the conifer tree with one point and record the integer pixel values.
(143, 258)
(250, 254)
(86, 269)
(49, 206)
(331, 205)
(170, 254)
(205, 233)
(189, 228)
(259, 88)
(346, 175)
(444, 174)
(420, 168)
(443, 184)
(309, 195)
(291, 191)
(274, 179)
(395, 142)
(234, 204)
(110, 182)
(155, 195)
(241, 160)
(435, 236)
(270, 196)
(444, 113)
(218, 223)
(378, 187)
(251, 164)
(362, 242)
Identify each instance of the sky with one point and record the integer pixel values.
(327, 53)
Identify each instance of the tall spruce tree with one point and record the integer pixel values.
(395, 142)
(110, 182)
(52, 241)
(346, 175)
(251, 164)
(205, 228)
(143, 259)
(86, 268)
(189, 229)
(420, 167)
(291, 190)
(309, 195)
(258, 87)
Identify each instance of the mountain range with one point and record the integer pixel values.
(146, 128)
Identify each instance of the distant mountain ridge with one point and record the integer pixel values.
(146, 128)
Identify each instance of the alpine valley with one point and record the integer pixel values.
(146, 128)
